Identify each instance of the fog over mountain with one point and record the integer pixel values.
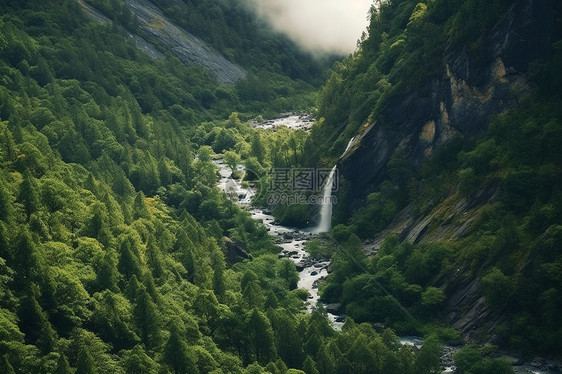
(321, 26)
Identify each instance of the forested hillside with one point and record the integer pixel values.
(115, 241)
(453, 176)
(112, 228)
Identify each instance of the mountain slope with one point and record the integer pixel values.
(453, 176)
(113, 231)
(183, 45)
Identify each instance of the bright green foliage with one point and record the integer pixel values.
(432, 297)
(29, 195)
(137, 361)
(467, 357)
(429, 357)
(5, 204)
(470, 359)
(288, 272)
(260, 338)
(147, 318)
(288, 339)
(231, 159)
(112, 319)
(25, 260)
(497, 287)
(111, 232)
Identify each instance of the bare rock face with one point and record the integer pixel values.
(235, 251)
(459, 103)
(186, 47)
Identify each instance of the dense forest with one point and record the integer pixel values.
(490, 197)
(112, 249)
(114, 237)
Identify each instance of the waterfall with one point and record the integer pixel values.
(325, 223)
(348, 146)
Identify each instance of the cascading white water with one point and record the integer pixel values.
(348, 146)
(325, 223)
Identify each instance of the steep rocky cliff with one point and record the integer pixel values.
(472, 88)
(475, 85)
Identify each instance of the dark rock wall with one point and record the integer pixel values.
(473, 87)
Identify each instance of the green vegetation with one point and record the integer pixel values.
(112, 249)
(505, 183)
(281, 76)
(510, 247)
(113, 232)
(399, 54)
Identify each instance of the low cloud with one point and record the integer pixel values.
(320, 26)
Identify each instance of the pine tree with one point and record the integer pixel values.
(8, 147)
(148, 283)
(5, 204)
(138, 362)
(258, 150)
(427, 359)
(97, 225)
(154, 258)
(26, 264)
(121, 184)
(90, 184)
(147, 318)
(129, 264)
(261, 340)
(140, 210)
(32, 318)
(252, 295)
(85, 364)
(164, 171)
(107, 274)
(287, 337)
(177, 355)
(62, 366)
(132, 288)
(309, 366)
(391, 364)
(28, 195)
(47, 338)
(271, 300)
(5, 250)
(325, 361)
(288, 272)
(218, 265)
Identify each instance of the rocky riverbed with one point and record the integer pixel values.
(292, 120)
(290, 240)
